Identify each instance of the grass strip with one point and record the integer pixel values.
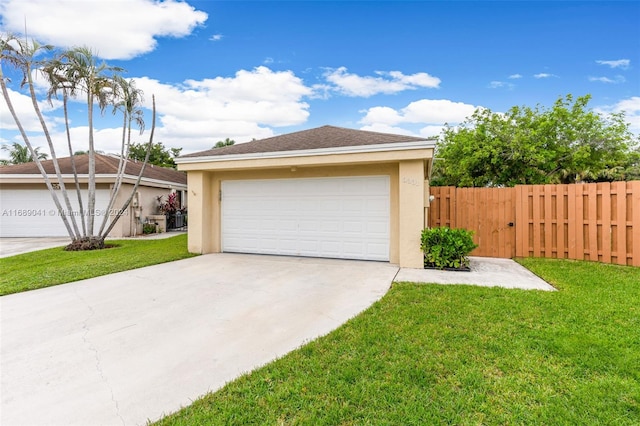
(45, 268)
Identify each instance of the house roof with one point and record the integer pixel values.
(105, 165)
(319, 138)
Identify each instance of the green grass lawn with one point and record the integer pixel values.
(54, 266)
(463, 355)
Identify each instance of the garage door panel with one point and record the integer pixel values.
(328, 206)
(330, 226)
(379, 250)
(330, 247)
(269, 224)
(353, 248)
(307, 226)
(377, 227)
(41, 218)
(352, 205)
(243, 242)
(351, 227)
(308, 245)
(378, 204)
(344, 217)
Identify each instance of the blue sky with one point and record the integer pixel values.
(247, 70)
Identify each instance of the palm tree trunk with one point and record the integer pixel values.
(47, 181)
(125, 206)
(91, 203)
(54, 159)
(121, 169)
(73, 166)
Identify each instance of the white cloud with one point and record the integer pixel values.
(387, 82)
(631, 109)
(67, 23)
(437, 111)
(515, 76)
(544, 75)
(431, 113)
(500, 84)
(24, 110)
(383, 128)
(216, 37)
(616, 80)
(105, 140)
(198, 113)
(195, 114)
(431, 131)
(382, 115)
(620, 63)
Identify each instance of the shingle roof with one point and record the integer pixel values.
(105, 165)
(320, 137)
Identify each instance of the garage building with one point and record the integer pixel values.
(326, 192)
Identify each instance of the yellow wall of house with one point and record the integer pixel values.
(131, 222)
(406, 203)
(128, 224)
(407, 171)
(202, 205)
(411, 204)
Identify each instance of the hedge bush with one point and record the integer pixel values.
(447, 248)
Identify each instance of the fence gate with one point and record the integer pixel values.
(489, 212)
(594, 221)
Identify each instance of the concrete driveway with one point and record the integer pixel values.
(126, 348)
(13, 246)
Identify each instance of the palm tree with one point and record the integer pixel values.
(80, 68)
(75, 73)
(19, 153)
(59, 83)
(21, 55)
(130, 100)
(144, 165)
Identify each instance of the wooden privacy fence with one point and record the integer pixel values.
(595, 221)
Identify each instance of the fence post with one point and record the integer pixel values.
(634, 186)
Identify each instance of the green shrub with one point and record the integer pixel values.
(447, 248)
(149, 228)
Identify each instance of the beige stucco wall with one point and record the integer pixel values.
(146, 204)
(407, 192)
(128, 224)
(411, 205)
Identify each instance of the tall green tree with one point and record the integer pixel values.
(563, 144)
(159, 155)
(19, 153)
(226, 142)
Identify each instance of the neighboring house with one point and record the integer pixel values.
(326, 192)
(27, 208)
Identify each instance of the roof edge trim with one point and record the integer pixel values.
(35, 177)
(397, 146)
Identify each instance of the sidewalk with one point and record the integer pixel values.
(485, 272)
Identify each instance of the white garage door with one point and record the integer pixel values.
(32, 213)
(343, 217)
